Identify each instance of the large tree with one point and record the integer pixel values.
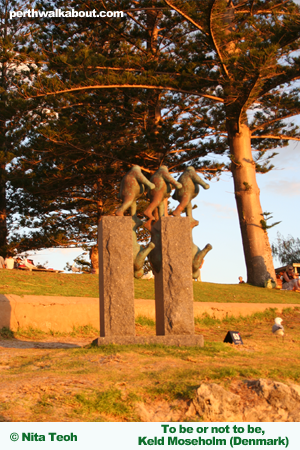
(81, 144)
(235, 59)
(16, 69)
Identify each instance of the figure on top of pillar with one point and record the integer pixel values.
(131, 188)
(162, 180)
(190, 182)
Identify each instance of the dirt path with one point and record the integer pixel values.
(218, 310)
(145, 308)
(63, 313)
(46, 343)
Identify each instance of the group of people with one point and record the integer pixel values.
(14, 263)
(290, 280)
(7, 263)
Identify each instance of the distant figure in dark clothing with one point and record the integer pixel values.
(241, 281)
(19, 263)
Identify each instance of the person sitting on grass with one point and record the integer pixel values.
(289, 280)
(241, 281)
(19, 263)
(9, 262)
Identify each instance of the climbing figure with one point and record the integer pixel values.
(132, 187)
(190, 181)
(162, 181)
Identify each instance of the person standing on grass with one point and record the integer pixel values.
(289, 280)
(9, 262)
(2, 264)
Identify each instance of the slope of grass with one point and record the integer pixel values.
(45, 283)
(242, 293)
(86, 285)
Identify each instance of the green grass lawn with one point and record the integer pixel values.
(241, 293)
(86, 285)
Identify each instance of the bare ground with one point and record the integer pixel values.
(64, 379)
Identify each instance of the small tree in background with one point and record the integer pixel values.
(286, 250)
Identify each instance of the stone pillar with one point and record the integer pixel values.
(174, 283)
(116, 283)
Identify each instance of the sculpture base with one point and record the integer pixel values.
(175, 340)
(174, 300)
(116, 285)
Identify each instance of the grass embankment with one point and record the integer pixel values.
(70, 285)
(106, 383)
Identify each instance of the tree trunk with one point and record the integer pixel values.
(153, 122)
(3, 212)
(257, 250)
(3, 152)
(94, 257)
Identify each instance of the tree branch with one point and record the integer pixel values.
(265, 124)
(130, 86)
(287, 138)
(214, 41)
(189, 19)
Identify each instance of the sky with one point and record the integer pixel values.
(218, 219)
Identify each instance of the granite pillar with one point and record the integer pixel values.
(173, 283)
(116, 283)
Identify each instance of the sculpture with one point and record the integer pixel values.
(198, 256)
(132, 186)
(155, 257)
(162, 181)
(139, 253)
(159, 188)
(190, 181)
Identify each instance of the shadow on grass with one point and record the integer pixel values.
(34, 338)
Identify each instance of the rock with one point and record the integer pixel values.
(252, 401)
(214, 404)
(257, 401)
(283, 398)
(191, 412)
(143, 413)
(161, 411)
